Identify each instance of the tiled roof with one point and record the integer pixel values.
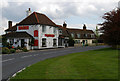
(34, 18)
(17, 35)
(81, 32)
(14, 28)
(37, 18)
(64, 30)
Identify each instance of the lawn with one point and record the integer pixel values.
(95, 64)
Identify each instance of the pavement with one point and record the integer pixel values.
(12, 63)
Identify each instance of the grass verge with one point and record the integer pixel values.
(95, 64)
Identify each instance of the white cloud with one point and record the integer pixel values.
(59, 11)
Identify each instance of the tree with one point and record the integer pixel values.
(71, 41)
(111, 28)
(97, 35)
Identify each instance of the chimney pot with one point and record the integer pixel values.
(29, 9)
(64, 25)
(28, 12)
(10, 24)
(84, 27)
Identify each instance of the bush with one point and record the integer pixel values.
(25, 49)
(18, 47)
(5, 50)
(12, 50)
(71, 41)
(86, 44)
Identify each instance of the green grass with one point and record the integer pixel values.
(96, 64)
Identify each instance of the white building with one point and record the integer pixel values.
(35, 26)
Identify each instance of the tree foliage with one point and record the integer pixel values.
(111, 27)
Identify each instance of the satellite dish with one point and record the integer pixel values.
(119, 4)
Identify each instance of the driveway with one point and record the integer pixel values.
(14, 62)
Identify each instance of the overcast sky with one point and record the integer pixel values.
(74, 12)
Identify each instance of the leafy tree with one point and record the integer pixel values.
(111, 28)
(71, 41)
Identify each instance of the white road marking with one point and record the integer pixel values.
(26, 56)
(8, 60)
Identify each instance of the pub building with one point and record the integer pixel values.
(35, 26)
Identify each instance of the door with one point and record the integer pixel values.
(22, 43)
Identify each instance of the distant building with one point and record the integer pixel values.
(82, 36)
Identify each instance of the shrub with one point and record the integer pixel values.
(25, 49)
(5, 50)
(12, 50)
(18, 47)
(86, 44)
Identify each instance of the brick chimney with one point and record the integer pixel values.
(9, 24)
(64, 25)
(84, 27)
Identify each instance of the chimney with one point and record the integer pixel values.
(9, 24)
(28, 12)
(84, 27)
(64, 25)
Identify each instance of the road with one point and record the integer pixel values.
(14, 62)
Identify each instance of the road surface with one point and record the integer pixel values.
(14, 62)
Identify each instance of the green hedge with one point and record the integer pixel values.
(12, 50)
(25, 49)
(5, 50)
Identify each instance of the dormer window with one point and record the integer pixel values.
(72, 35)
(92, 36)
(54, 30)
(60, 31)
(43, 29)
(78, 35)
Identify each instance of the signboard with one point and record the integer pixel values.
(23, 27)
(49, 35)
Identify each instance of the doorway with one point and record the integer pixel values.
(22, 43)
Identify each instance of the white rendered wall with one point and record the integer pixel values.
(49, 30)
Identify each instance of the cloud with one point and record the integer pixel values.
(74, 12)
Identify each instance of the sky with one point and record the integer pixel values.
(74, 12)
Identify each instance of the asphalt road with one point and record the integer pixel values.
(14, 62)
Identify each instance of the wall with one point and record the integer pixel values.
(49, 30)
(89, 41)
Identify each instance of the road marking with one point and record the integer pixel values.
(26, 56)
(8, 60)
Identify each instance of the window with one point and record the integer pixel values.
(43, 42)
(54, 42)
(60, 31)
(85, 35)
(72, 35)
(35, 42)
(11, 41)
(54, 30)
(43, 28)
(78, 35)
(36, 33)
(92, 36)
(76, 41)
